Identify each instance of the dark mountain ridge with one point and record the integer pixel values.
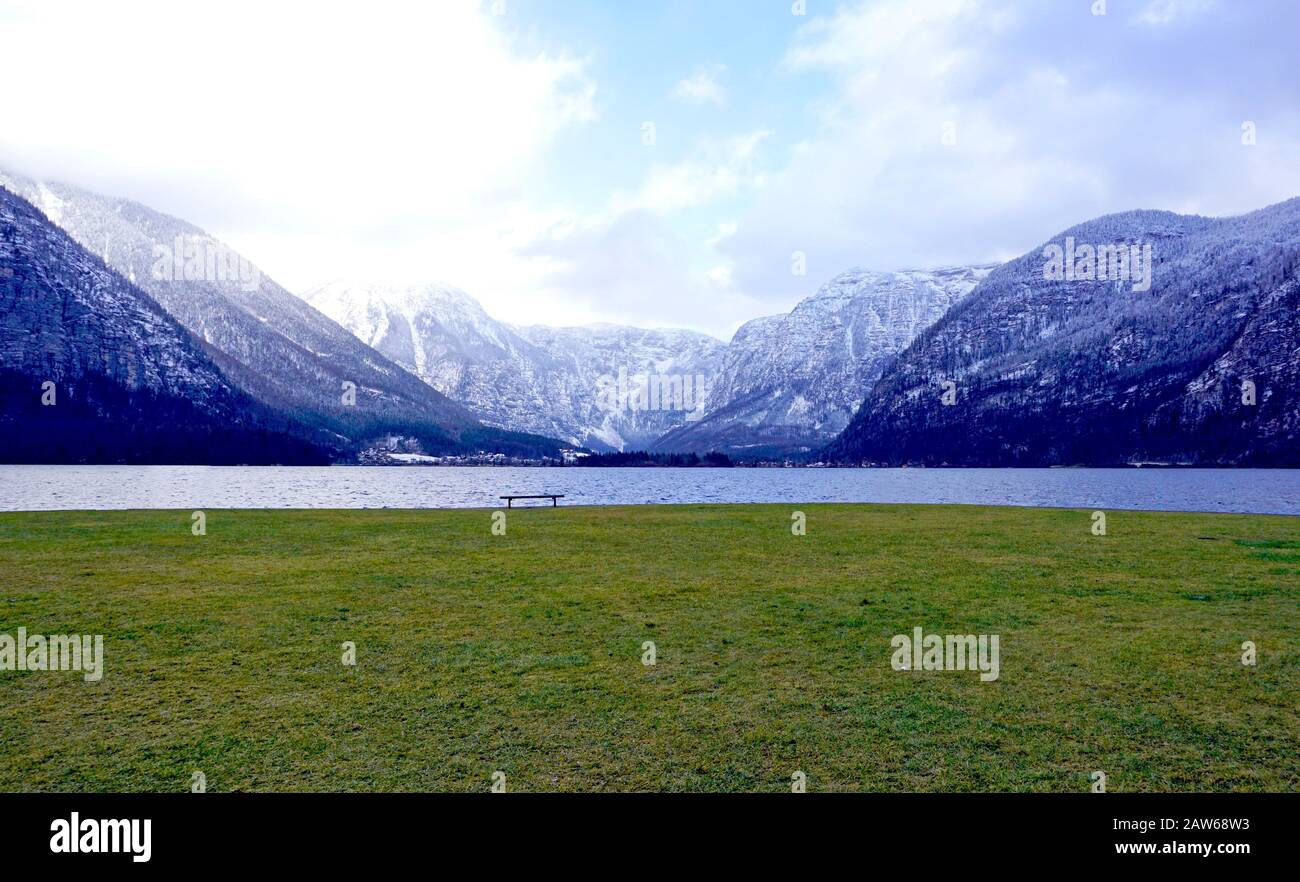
(93, 370)
(1199, 368)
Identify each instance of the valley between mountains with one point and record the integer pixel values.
(163, 357)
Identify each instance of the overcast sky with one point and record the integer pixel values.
(654, 162)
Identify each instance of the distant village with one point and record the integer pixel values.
(400, 451)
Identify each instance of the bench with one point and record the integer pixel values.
(554, 497)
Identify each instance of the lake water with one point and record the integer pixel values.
(30, 488)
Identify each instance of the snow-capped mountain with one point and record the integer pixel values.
(791, 383)
(632, 385)
(1171, 339)
(93, 370)
(267, 341)
(583, 384)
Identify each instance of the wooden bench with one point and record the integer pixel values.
(554, 497)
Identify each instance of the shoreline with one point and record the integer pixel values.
(621, 506)
(116, 488)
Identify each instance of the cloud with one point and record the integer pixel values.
(311, 136)
(1162, 12)
(630, 264)
(633, 267)
(702, 87)
(718, 169)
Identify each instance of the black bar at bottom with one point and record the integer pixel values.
(334, 831)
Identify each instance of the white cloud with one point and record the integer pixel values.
(322, 140)
(719, 169)
(630, 264)
(633, 267)
(1162, 12)
(725, 230)
(702, 87)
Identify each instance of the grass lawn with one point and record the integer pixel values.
(522, 653)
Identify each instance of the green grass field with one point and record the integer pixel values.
(522, 653)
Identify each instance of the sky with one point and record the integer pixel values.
(662, 163)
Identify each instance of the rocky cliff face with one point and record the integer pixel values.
(629, 386)
(561, 382)
(1071, 355)
(790, 383)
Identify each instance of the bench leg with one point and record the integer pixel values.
(554, 502)
(510, 503)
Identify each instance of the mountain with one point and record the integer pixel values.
(1195, 362)
(268, 342)
(93, 370)
(645, 381)
(790, 383)
(561, 382)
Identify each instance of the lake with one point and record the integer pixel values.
(32, 488)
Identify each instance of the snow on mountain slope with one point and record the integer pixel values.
(93, 370)
(791, 383)
(1194, 360)
(561, 382)
(645, 381)
(269, 342)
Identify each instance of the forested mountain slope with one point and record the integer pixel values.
(1197, 364)
(93, 370)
